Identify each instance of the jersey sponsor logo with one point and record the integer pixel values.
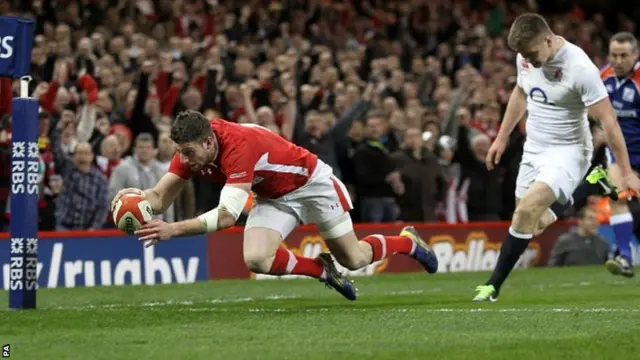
(263, 164)
(617, 104)
(628, 94)
(238, 175)
(609, 88)
(538, 95)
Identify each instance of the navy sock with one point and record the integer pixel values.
(580, 195)
(513, 246)
(623, 229)
(634, 208)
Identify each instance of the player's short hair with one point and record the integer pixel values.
(190, 126)
(525, 29)
(626, 37)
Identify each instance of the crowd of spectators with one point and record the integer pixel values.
(401, 98)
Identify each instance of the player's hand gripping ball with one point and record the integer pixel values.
(131, 211)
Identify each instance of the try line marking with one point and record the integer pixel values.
(413, 310)
(205, 305)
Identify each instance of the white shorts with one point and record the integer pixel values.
(323, 198)
(560, 167)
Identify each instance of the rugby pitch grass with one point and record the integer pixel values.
(576, 313)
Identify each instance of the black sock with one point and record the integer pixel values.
(580, 195)
(512, 248)
(634, 209)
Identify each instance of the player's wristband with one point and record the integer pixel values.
(210, 220)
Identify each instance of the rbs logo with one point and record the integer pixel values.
(6, 47)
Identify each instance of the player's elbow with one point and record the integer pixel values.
(225, 219)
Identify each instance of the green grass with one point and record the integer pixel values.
(579, 313)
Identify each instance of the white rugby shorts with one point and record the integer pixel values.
(323, 198)
(560, 167)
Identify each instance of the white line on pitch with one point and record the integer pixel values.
(171, 302)
(416, 310)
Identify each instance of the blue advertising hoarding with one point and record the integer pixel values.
(118, 260)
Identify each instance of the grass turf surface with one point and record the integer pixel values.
(575, 313)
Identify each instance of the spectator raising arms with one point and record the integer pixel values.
(83, 202)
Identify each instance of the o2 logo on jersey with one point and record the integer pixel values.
(538, 95)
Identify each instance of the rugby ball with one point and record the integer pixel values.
(131, 212)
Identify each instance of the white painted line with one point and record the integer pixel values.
(171, 302)
(416, 310)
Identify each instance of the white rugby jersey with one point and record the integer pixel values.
(558, 94)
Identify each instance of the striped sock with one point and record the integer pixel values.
(384, 246)
(286, 262)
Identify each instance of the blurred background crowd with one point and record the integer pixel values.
(401, 97)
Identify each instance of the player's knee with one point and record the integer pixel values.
(523, 214)
(352, 261)
(526, 218)
(259, 263)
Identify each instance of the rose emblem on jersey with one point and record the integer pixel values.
(558, 75)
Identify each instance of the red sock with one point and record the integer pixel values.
(287, 262)
(384, 246)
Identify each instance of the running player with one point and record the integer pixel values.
(292, 186)
(557, 85)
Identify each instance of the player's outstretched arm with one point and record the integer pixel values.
(232, 200)
(160, 197)
(165, 192)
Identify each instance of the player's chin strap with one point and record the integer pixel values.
(232, 199)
